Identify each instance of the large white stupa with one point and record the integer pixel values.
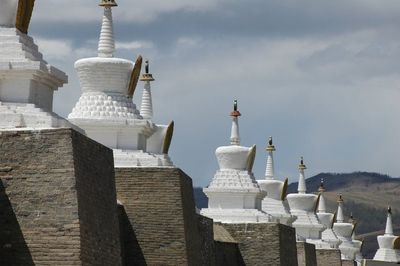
(27, 81)
(105, 109)
(389, 244)
(275, 201)
(233, 194)
(328, 236)
(344, 230)
(303, 206)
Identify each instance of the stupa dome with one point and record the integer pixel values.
(234, 157)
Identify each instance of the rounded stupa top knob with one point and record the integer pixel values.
(340, 198)
(321, 186)
(147, 76)
(270, 146)
(235, 112)
(108, 3)
(302, 166)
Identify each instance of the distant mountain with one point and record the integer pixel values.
(366, 196)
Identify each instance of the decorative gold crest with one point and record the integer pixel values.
(317, 203)
(135, 76)
(168, 137)
(333, 218)
(251, 158)
(24, 14)
(396, 243)
(284, 189)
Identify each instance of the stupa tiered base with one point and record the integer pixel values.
(278, 210)
(138, 158)
(348, 248)
(329, 238)
(29, 116)
(273, 203)
(386, 252)
(307, 224)
(237, 216)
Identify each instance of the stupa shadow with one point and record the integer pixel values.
(13, 247)
(131, 252)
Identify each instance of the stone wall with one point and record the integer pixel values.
(58, 200)
(329, 257)
(161, 218)
(378, 263)
(265, 244)
(348, 263)
(306, 254)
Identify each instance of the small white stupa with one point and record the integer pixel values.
(303, 207)
(328, 236)
(27, 81)
(275, 201)
(389, 244)
(345, 231)
(105, 109)
(233, 194)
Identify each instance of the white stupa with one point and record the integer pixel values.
(105, 109)
(328, 236)
(303, 207)
(233, 194)
(345, 231)
(275, 201)
(27, 81)
(389, 244)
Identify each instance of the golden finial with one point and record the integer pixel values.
(302, 166)
(389, 210)
(340, 198)
(270, 146)
(147, 76)
(108, 3)
(235, 112)
(321, 186)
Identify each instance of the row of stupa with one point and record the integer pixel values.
(235, 196)
(106, 113)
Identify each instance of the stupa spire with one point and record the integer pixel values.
(269, 171)
(340, 215)
(302, 188)
(106, 46)
(235, 137)
(146, 108)
(389, 224)
(321, 203)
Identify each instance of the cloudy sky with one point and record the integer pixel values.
(321, 77)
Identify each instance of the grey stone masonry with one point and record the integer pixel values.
(57, 200)
(378, 263)
(265, 243)
(329, 257)
(161, 226)
(348, 263)
(306, 254)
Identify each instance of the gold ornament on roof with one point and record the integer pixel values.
(251, 157)
(321, 186)
(270, 146)
(147, 76)
(135, 77)
(24, 14)
(302, 166)
(168, 138)
(284, 189)
(108, 3)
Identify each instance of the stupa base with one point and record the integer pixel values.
(387, 254)
(138, 158)
(278, 210)
(238, 216)
(29, 116)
